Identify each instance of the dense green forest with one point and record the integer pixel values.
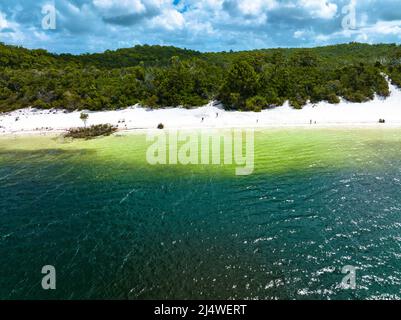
(157, 76)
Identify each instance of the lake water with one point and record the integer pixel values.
(115, 227)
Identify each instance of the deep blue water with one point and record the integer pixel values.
(127, 232)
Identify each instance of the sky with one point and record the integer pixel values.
(80, 26)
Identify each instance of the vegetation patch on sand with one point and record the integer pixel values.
(91, 132)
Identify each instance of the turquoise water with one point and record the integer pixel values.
(115, 227)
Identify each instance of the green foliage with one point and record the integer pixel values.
(241, 83)
(157, 76)
(297, 102)
(129, 57)
(91, 132)
(332, 98)
(256, 104)
(181, 84)
(84, 117)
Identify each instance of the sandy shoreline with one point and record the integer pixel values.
(338, 126)
(212, 116)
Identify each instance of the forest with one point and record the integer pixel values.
(159, 76)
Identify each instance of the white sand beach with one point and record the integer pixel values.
(31, 120)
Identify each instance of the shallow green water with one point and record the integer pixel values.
(116, 227)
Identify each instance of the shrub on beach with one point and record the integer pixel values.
(151, 102)
(357, 97)
(160, 126)
(91, 132)
(40, 104)
(298, 102)
(333, 98)
(256, 104)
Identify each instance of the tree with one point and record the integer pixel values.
(240, 80)
(84, 117)
(305, 58)
(256, 104)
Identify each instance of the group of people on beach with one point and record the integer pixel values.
(217, 115)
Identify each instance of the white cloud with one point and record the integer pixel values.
(170, 19)
(319, 8)
(120, 7)
(299, 34)
(362, 37)
(42, 36)
(256, 7)
(370, 33)
(209, 5)
(385, 28)
(144, 8)
(13, 34)
(3, 21)
(208, 25)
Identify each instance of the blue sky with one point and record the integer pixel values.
(205, 25)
